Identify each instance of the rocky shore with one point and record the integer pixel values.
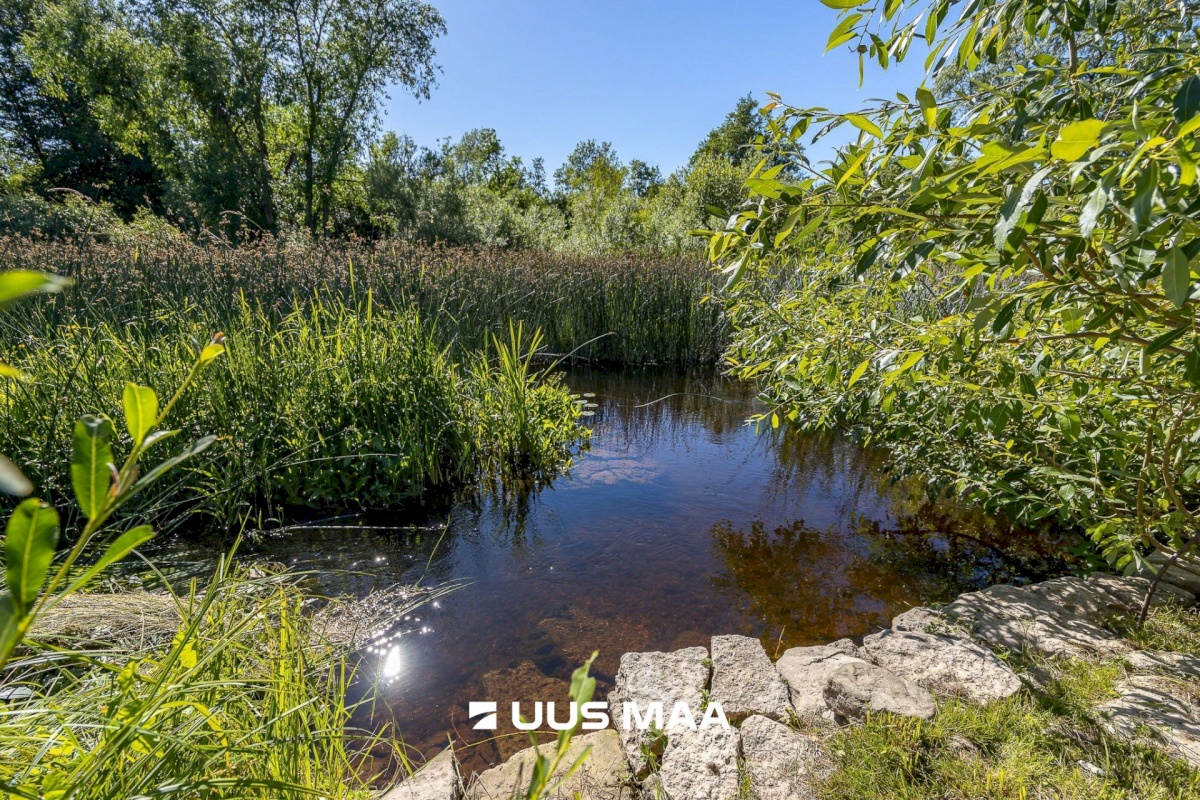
(782, 713)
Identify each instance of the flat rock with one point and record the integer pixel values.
(947, 667)
(604, 775)
(1157, 707)
(780, 763)
(667, 678)
(1165, 663)
(1081, 598)
(438, 779)
(743, 680)
(1182, 575)
(1021, 620)
(701, 764)
(926, 620)
(855, 689)
(1131, 590)
(806, 670)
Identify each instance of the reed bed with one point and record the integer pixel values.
(334, 404)
(620, 309)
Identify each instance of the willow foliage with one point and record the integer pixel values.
(996, 280)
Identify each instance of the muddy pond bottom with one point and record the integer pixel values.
(678, 522)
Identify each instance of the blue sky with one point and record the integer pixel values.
(651, 77)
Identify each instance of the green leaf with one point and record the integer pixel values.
(91, 475)
(1187, 99)
(1177, 277)
(853, 167)
(843, 3)
(10, 626)
(1076, 139)
(141, 410)
(126, 542)
(928, 105)
(29, 541)
(15, 284)
(864, 124)
(1092, 210)
(1191, 366)
(859, 371)
(12, 480)
(1166, 339)
(210, 353)
(843, 33)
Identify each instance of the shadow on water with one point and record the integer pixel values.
(678, 522)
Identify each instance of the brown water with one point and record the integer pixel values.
(678, 523)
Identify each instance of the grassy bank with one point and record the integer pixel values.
(1048, 741)
(243, 696)
(333, 405)
(616, 309)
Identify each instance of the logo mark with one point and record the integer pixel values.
(487, 710)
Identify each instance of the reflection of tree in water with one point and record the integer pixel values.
(809, 586)
(961, 549)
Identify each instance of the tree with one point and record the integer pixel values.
(591, 165)
(997, 285)
(54, 138)
(643, 179)
(734, 139)
(342, 56)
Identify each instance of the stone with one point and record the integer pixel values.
(947, 667)
(743, 680)
(667, 678)
(1021, 620)
(701, 764)
(1183, 575)
(1165, 663)
(438, 779)
(926, 620)
(603, 775)
(855, 689)
(780, 763)
(1131, 590)
(1081, 598)
(806, 670)
(1159, 708)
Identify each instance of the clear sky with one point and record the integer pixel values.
(652, 77)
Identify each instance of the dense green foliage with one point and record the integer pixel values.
(331, 405)
(243, 118)
(997, 283)
(222, 114)
(618, 310)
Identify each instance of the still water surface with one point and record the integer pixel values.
(679, 522)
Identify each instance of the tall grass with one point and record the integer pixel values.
(615, 309)
(333, 404)
(246, 701)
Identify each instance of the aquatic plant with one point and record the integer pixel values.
(617, 309)
(334, 404)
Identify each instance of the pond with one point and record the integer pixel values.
(678, 522)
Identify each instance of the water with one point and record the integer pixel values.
(678, 523)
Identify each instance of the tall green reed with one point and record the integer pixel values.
(618, 309)
(333, 403)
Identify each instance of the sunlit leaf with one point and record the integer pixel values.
(1076, 139)
(30, 537)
